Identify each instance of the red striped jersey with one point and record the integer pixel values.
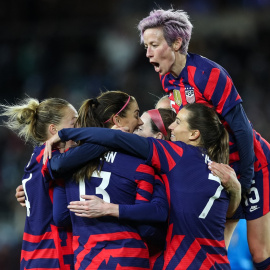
(204, 81)
(107, 242)
(45, 246)
(198, 207)
(201, 81)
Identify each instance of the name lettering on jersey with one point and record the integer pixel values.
(177, 97)
(190, 96)
(206, 159)
(110, 156)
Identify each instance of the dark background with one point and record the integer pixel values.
(75, 49)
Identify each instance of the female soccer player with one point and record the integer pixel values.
(106, 243)
(44, 244)
(189, 78)
(198, 202)
(156, 123)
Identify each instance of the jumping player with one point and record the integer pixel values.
(190, 78)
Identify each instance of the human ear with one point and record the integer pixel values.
(52, 129)
(116, 120)
(177, 44)
(159, 135)
(195, 135)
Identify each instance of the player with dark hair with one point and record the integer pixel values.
(198, 202)
(44, 244)
(106, 242)
(189, 78)
(156, 124)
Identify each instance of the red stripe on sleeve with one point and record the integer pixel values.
(145, 169)
(144, 185)
(155, 158)
(234, 157)
(170, 160)
(141, 198)
(176, 148)
(226, 93)
(212, 83)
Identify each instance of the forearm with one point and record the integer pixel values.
(68, 162)
(235, 199)
(243, 133)
(114, 139)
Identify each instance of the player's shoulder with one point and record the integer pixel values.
(122, 160)
(202, 63)
(126, 166)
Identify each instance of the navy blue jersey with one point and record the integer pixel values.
(201, 81)
(204, 81)
(44, 244)
(198, 202)
(198, 206)
(107, 242)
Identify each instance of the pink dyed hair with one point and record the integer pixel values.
(175, 24)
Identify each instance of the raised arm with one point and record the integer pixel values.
(239, 124)
(73, 159)
(114, 139)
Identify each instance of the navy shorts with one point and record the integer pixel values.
(257, 201)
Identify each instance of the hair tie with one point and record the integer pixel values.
(120, 110)
(156, 117)
(221, 125)
(95, 101)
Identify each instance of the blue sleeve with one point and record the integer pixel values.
(61, 214)
(151, 217)
(67, 163)
(241, 127)
(114, 139)
(154, 211)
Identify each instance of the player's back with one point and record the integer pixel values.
(42, 245)
(198, 206)
(104, 243)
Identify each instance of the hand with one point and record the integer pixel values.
(20, 195)
(226, 175)
(93, 207)
(230, 182)
(124, 129)
(49, 144)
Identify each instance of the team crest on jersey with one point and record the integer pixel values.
(190, 96)
(177, 97)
